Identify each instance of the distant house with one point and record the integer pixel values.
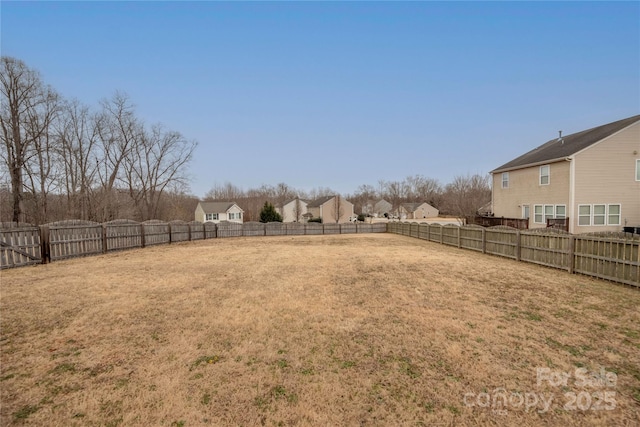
(294, 210)
(417, 211)
(590, 179)
(377, 209)
(218, 211)
(331, 209)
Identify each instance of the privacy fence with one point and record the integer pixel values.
(614, 257)
(26, 244)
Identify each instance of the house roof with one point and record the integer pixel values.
(294, 199)
(559, 148)
(217, 207)
(412, 207)
(318, 202)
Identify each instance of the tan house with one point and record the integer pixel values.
(590, 178)
(294, 210)
(377, 209)
(219, 211)
(331, 209)
(417, 211)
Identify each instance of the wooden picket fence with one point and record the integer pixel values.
(609, 256)
(26, 244)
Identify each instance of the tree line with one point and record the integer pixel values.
(63, 159)
(461, 197)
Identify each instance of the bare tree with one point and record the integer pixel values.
(466, 194)
(23, 97)
(120, 132)
(78, 134)
(158, 159)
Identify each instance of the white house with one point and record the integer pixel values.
(219, 211)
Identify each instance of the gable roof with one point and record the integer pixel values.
(559, 148)
(318, 202)
(412, 207)
(294, 199)
(217, 207)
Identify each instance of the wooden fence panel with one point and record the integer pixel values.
(331, 228)
(294, 228)
(196, 230)
(210, 230)
(502, 241)
(229, 229)
(347, 228)
(545, 248)
(74, 238)
(423, 231)
(414, 229)
(276, 229)
(611, 259)
(450, 234)
(406, 229)
(156, 232)
(122, 234)
(364, 227)
(313, 228)
(179, 231)
(379, 227)
(253, 229)
(435, 231)
(471, 237)
(19, 245)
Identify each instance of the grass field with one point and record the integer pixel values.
(369, 329)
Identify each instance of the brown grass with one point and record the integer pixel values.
(375, 329)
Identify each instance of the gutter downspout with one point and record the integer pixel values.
(572, 193)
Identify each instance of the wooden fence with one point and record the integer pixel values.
(25, 244)
(612, 256)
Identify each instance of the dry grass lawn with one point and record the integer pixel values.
(369, 329)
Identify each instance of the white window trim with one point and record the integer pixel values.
(214, 217)
(505, 175)
(548, 175)
(585, 216)
(606, 215)
(541, 213)
(619, 214)
(555, 212)
(638, 170)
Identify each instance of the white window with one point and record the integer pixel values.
(613, 218)
(211, 217)
(561, 211)
(548, 212)
(584, 215)
(599, 214)
(235, 215)
(637, 169)
(505, 180)
(544, 175)
(525, 211)
(537, 214)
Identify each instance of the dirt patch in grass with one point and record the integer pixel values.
(372, 329)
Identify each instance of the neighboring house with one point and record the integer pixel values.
(219, 211)
(331, 209)
(590, 177)
(377, 209)
(294, 210)
(417, 211)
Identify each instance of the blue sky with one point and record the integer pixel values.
(339, 94)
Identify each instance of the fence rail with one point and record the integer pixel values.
(26, 244)
(614, 257)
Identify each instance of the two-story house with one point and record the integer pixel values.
(592, 178)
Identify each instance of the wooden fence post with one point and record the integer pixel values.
(572, 245)
(484, 241)
(459, 244)
(142, 243)
(441, 234)
(518, 246)
(169, 225)
(44, 244)
(104, 238)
